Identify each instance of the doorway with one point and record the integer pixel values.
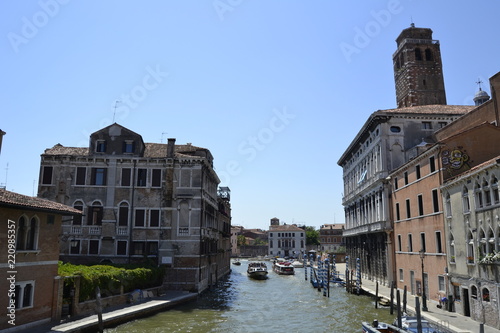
(465, 298)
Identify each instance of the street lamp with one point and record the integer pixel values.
(424, 299)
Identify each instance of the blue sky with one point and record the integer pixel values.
(275, 89)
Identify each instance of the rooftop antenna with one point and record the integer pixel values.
(478, 82)
(412, 24)
(114, 111)
(6, 174)
(162, 134)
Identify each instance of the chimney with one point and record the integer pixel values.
(170, 148)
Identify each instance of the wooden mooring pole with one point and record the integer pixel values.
(376, 295)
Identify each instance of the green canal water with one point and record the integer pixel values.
(278, 304)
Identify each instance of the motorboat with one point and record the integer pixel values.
(237, 262)
(379, 327)
(257, 270)
(283, 268)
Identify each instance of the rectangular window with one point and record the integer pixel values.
(138, 248)
(442, 124)
(435, 200)
(422, 241)
(152, 248)
(401, 276)
(100, 146)
(400, 245)
(432, 164)
(121, 248)
(24, 292)
(426, 125)
(398, 217)
(420, 205)
(395, 183)
(417, 171)
(47, 175)
(408, 211)
(81, 173)
(439, 246)
(99, 176)
(93, 246)
(128, 146)
(410, 243)
(126, 173)
(139, 217)
(74, 246)
(412, 283)
(154, 218)
(441, 283)
(141, 177)
(406, 177)
(156, 178)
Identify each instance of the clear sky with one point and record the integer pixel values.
(275, 89)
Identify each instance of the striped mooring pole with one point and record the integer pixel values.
(334, 267)
(358, 276)
(325, 276)
(304, 257)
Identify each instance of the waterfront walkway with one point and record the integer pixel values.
(117, 315)
(450, 320)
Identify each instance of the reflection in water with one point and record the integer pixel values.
(278, 304)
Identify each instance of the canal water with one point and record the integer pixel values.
(278, 304)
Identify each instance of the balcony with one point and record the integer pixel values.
(121, 231)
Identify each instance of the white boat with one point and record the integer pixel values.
(283, 268)
(298, 264)
(257, 270)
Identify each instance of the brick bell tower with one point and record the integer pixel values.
(418, 69)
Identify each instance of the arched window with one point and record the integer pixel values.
(465, 199)
(482, 243)
(473, 292)
(494, 189)
(486, 294)
(448, 204)
(478, 196)
(490, 241)
(21, 231)
(452, 248)
(428, 54)
(418, 54)
(123, 214)
(95, 213)
(486, 192)
(27, 233)
(470, 248)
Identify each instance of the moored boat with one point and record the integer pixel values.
(283, 268)
(377, 327)
(257, 270)
(237, 262)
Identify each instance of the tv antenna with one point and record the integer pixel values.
(162, 134)
(114, 111)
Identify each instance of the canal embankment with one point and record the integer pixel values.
(112, 317)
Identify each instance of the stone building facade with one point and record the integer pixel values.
(142, 202)
(472, 219)
(330, 237)
(387, 140)
(29, 244)
(286, 240)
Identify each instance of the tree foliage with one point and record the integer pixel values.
(242, 240)
(110, 279)
(312, 236)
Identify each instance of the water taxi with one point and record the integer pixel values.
(257, 270)
(283, 268)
